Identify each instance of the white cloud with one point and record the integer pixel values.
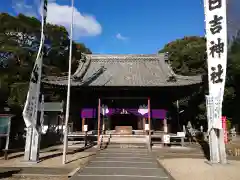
(121, 37)
(29, 9)
(84, 25)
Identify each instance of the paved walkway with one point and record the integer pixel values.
(122, 164)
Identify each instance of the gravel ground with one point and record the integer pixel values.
(190, 163)
(198, 169)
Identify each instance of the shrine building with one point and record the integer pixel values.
(124, 91)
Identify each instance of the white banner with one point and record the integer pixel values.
(42, 111)
(31, 105)
(216, 35)
(210, 112)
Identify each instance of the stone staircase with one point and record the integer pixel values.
(124, 141)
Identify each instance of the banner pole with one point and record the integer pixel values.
(65, 143)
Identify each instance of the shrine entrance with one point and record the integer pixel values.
(125, 120)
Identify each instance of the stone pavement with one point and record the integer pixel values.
(124, 164)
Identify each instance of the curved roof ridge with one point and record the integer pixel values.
(144, 55)
(95, 57)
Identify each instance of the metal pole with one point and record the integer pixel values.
(99, 121)
(149, 123)
(178, 116)
(65, 143)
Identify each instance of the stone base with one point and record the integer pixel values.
(30, 162)
(215, 164)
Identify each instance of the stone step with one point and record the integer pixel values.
(124, 136)
(124, 140)
(127, 145)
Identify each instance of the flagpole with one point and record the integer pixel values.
(65, 143)
(30, 110)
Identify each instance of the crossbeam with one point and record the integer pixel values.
(112, 98)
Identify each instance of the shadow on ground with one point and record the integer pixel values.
(80, 158)
(71, 152)
(8, 173)
(204, 145)
(58, 153)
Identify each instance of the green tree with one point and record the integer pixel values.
(188, 57)
(19, 42)
(232, 90)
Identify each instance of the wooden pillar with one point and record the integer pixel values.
(144, 122)
(103, 125)
(99, 117)
(83, 130)
(165, 129)
(83, 123)
(149, 123)
(140, 123)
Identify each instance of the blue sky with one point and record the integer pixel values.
(147, 24)
(122, 26)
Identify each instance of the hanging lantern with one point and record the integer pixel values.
(104, 110)
(143, 109)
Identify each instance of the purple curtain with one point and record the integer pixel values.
(155, 113)
(158, 113)
(89, 113)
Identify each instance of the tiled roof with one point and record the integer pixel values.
(124, 70)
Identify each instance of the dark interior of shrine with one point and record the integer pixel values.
(125, 120)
